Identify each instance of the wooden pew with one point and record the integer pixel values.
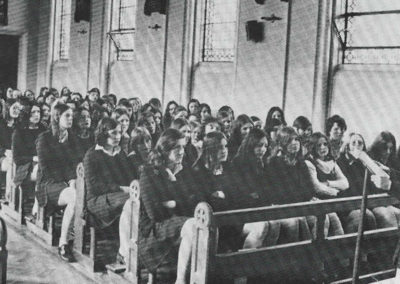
(85, 241)
(288, 261)
(3, 251)
(13, 205)
(84, 233)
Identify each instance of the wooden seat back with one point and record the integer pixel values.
(3, 251)
(305, 256)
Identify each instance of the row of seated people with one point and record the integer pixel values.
(172, 182)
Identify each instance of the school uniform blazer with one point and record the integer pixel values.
(24, 149)
(251, 181)
(104, 174)
(5, 137)
(57, 162)
(289, 183)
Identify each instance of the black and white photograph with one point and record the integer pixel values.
(200, 141)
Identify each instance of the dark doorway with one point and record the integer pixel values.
(8, 62)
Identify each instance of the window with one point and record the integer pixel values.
(368, 31)
(219, 30)
(62, 30)
(123, 25)
(3, 12)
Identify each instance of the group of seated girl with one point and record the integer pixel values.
(186, 157)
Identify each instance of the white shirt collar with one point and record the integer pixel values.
(112, 154)
(171, 175)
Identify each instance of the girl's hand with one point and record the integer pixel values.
(72, 183)
(170, 204)
(254, 195)
(218, 194)
(125, 189)
(381, 182)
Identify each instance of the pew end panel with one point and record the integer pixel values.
(204, 245)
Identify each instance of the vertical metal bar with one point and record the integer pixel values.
(329, 89)
(61, 28)
(287, 54)
(50, 57)
(164, 75)
(89, 47)
(203, 44)
(357, 253)
(346, 19)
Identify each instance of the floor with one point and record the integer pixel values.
(29, 262)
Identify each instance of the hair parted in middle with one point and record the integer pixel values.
(101, 134)
(166, 143)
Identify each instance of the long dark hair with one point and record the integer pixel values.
(313, 146)
(284, 137)
(380, 144)
(211, 146)
(167, 141)
(25, 115)
(56, 113)
(268, 120)
(245, 154)
(167, 117)
(241, 120)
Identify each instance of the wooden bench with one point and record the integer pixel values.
(85, 232)
(3, 251)
(287, 261)
(12, 207)
(86, 235)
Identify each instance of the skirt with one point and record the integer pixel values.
(161, 247)
(48, 195)
(107, 208)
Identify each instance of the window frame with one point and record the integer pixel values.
(200, 34)
(116, 33)
(62, 44)
(343, 35)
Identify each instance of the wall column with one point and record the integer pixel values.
(321, 69)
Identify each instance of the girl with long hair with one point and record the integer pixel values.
(191, 154)
(274, 113)
(11, 113)
(327, 178)
(169, 113)
(24, 150)
(383, 151)
(204, 111)
(249, 168)
(354, 171)
(58, 156)
(122, 116)
(289, 181)
(241, 127)
(45, 118)
(168, 202)
(82, 127)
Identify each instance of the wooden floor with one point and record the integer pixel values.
(29, 262)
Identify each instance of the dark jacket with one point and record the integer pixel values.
(104, 173)
(24, 149)
(251, 183)
(287, 183)
(5, 137)
(57, 162)
(208, 184)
